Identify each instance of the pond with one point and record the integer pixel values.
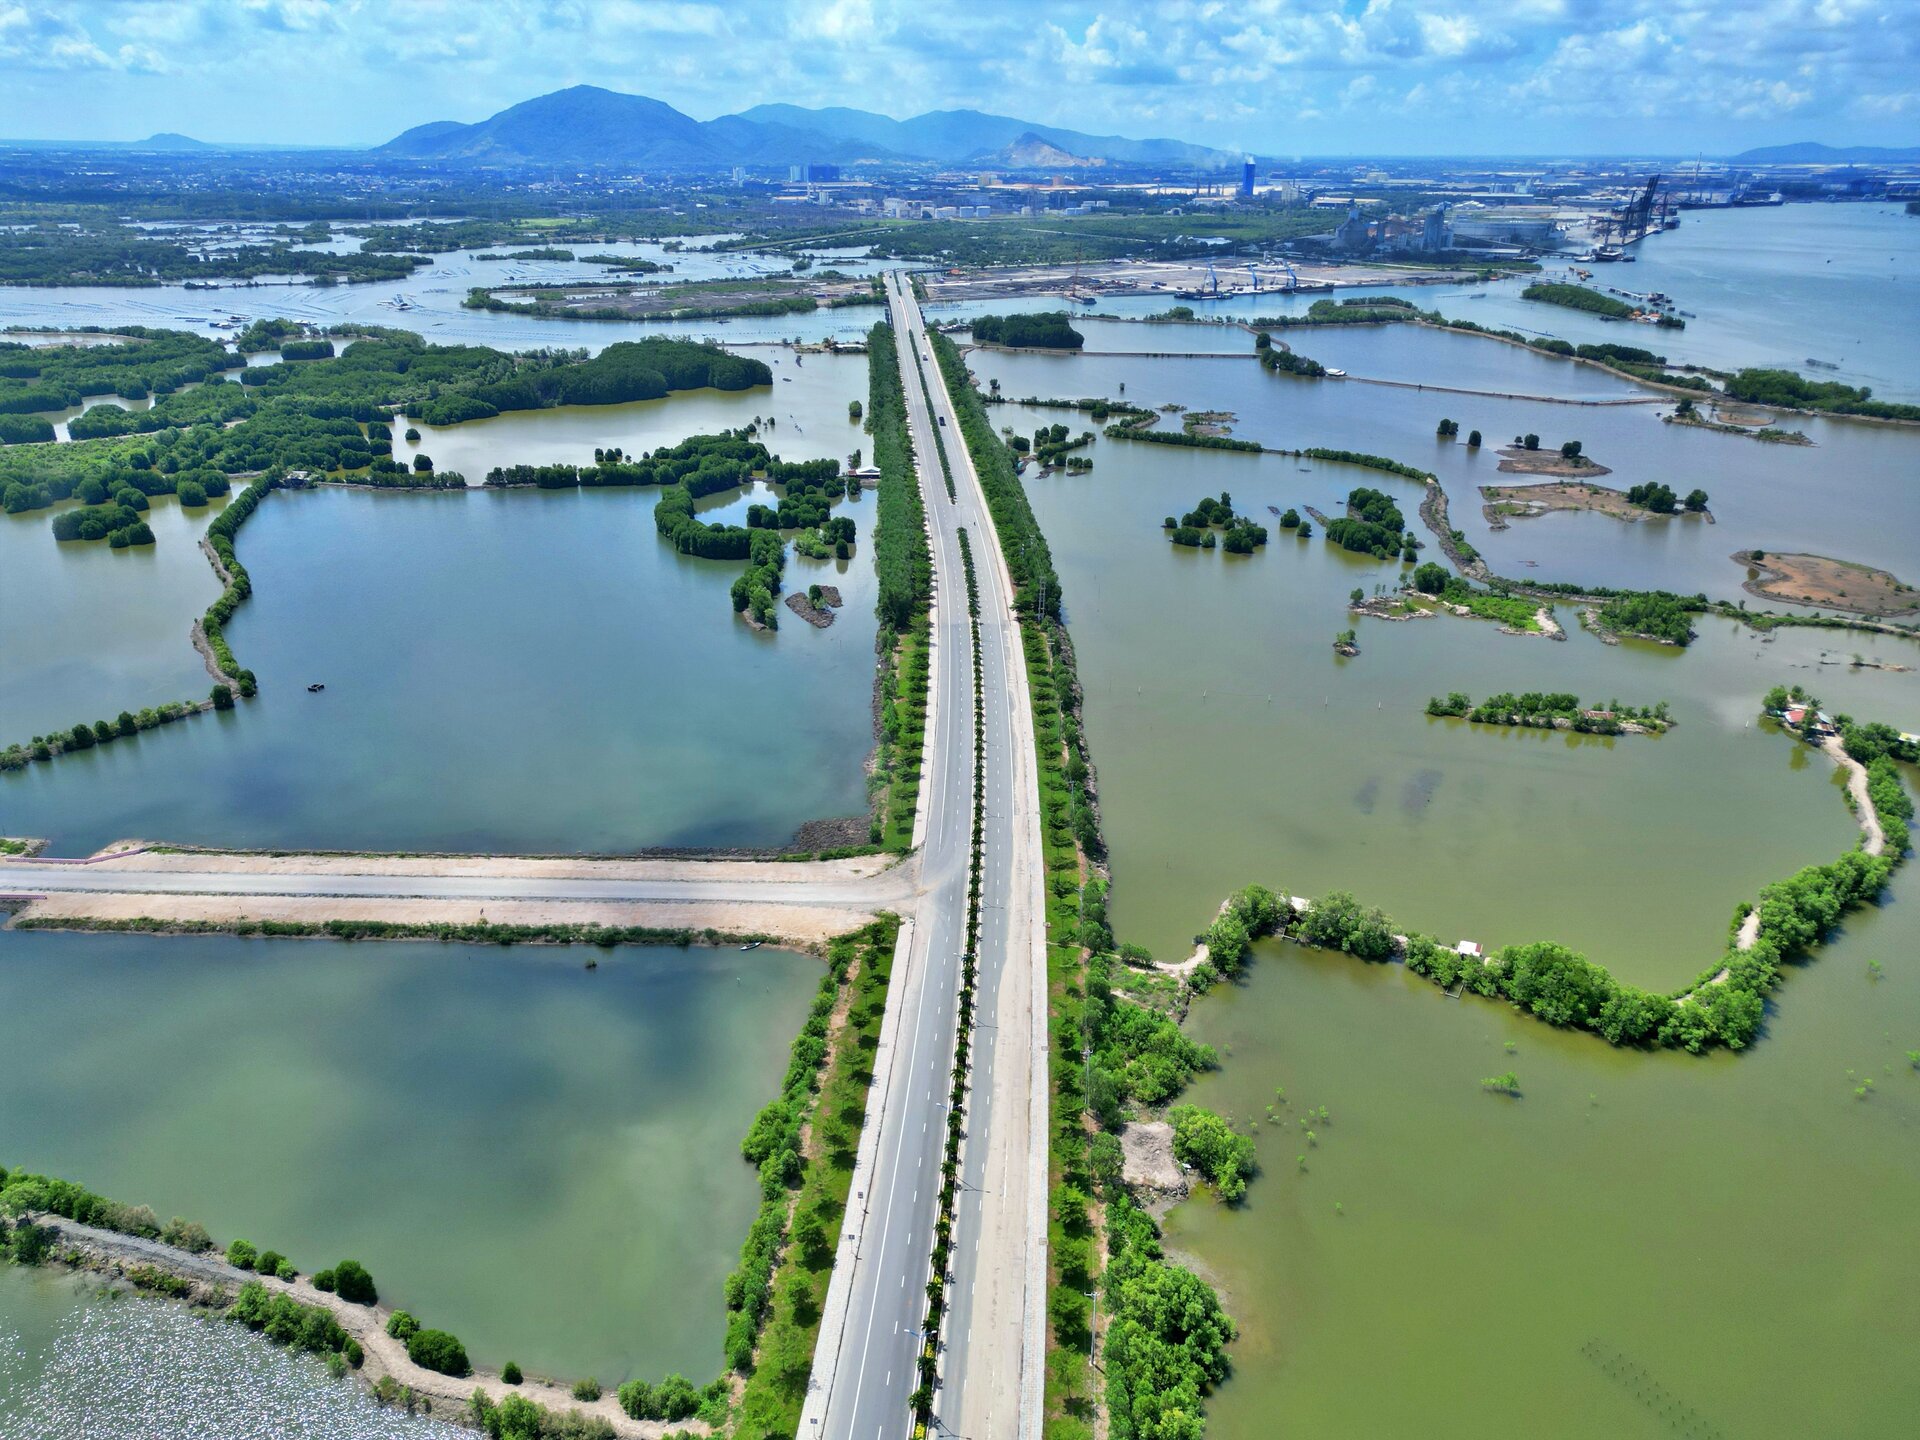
(505, 670)
(523, 1151)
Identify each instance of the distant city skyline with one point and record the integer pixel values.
(1278, 77)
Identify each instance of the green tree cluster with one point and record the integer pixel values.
(1036, 330)
(1167, 1335)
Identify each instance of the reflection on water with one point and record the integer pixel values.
(523, 1151)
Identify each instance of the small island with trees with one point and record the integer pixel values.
(1554, 710)
(1525, 457)
(1373, 525)
(1505, 503)
(1579, 297)
(1196, 529)
(1039, 330)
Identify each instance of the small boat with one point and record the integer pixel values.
(315, 688)
(751, 945)
(1335, 374)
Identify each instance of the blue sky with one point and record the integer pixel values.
(1284, 77)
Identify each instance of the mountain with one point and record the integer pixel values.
(955, 135)
(1809, 152)
(587, 125)
(1030, 152)
(168, 140)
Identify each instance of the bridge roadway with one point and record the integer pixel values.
(991, 1359)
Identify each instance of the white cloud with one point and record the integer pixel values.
(1292, 75)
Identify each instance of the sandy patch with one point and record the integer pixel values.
(1524, 502)
(803, 925)
(1148, 1164)
(1515, 461)
(1798, 579)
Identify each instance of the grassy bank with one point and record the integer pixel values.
(774, 1393)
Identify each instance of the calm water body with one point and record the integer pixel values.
(1768, 287)
(530, 1154)
(1849, 495)
(1738, 1227)
(523, 670)
(90, 630)
(428, 301)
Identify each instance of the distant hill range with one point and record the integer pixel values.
(1807, 152)
(586, 125)
(168, 140)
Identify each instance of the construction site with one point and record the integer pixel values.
(1178, 280)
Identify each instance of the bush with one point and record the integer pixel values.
(1205, 1141)
(242, 1255)
(438, 1351)
(188, 1235)
(1338, 921)
(510, 1374)
(402, 1326)
(674, 1398)
(586, 1390)
(352, 1282)
(323, 1280)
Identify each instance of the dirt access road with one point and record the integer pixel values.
(803, 902)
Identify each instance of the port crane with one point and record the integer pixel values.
(1212, 291)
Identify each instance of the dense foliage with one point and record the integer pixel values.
(133, 362)
(1578, 297)
(1038, 330)
(105, 253)
(1654, 614)
(1373, 526)
(1213, 1147)
(1785, 388)
(286, 1321)
(1551, 710)
(1290, 362)
(903, 568)
(1167, 1337)
(1195, 529)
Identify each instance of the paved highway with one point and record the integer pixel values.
(865, 1370)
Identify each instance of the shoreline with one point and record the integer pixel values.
(110, 1255)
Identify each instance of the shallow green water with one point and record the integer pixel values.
(541, 1158)
(1740, 1228)
(520, 670)
(1234, 746)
